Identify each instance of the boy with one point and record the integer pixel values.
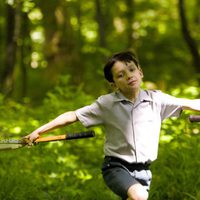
(132, 119)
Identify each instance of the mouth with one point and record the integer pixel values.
(132, 82)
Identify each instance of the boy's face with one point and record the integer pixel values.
(127, 77)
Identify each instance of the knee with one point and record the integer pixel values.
(137, 192)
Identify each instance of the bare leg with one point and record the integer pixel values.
(137, 192)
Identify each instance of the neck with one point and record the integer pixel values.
(132, 96)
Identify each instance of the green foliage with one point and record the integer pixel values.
(71, 169)
(74, 37)
(61, 170)
(176, 172)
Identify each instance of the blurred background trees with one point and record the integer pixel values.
(40, 41)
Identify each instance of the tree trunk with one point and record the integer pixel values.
(129, 17)
(99, 17)
(25, 52)
(60, 42)
(13, 30)
(188, 39)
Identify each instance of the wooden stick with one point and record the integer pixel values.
(68, 136)
(51, 138)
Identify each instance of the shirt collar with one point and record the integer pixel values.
(142, 97)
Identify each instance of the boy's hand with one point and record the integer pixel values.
(32, 137)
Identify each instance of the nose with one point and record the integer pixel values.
(129, 74)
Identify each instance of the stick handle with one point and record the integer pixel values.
(194, 118)
(67, 136)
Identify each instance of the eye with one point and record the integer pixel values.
(120, 75)
(132, 69)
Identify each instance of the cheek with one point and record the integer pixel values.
(116, 83)
(121, 85)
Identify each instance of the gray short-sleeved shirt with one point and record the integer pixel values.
(132, 129)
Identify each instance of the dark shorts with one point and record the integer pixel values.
(120, 175)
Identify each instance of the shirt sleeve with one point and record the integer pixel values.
(90, 115)
(170, 106)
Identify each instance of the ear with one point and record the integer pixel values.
(141, 72)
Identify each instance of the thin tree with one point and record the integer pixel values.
(190, 41)
(13, 20)
(101, 26)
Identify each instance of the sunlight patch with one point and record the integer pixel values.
(83, 175)
(16, 130)
(166, 138)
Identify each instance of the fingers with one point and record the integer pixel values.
(29, 139)
(26, 139)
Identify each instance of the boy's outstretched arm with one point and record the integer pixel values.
(192, 104)
(62, 120)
